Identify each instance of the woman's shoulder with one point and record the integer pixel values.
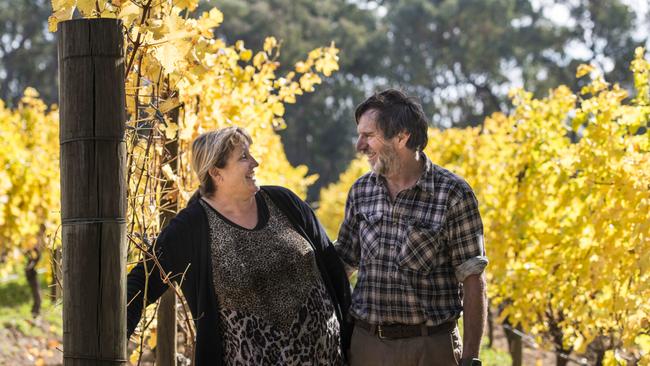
(283, 196)
(279, 191)
(189, 218)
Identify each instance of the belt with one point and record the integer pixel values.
(396, 331)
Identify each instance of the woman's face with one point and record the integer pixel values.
(238, 176)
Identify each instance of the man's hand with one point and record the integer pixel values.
(349, 270)
(474, 314)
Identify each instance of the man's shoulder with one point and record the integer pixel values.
(447, 180)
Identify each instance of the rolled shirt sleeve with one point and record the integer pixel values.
(465, 233)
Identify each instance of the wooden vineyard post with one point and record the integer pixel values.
(93, 191)
(166, 321)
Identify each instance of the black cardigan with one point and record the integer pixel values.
(183, 250)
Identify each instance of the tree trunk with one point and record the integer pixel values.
(515, 345)
(93, 191)
(33, 257)
(490, 325)
(557, 335)
(560, 360)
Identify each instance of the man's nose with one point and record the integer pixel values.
(361, 144)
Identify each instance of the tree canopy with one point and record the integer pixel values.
(460, 57)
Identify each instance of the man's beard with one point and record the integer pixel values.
(387, 161)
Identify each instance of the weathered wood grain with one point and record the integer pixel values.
(93, 191)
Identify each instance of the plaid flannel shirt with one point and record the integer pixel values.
(413, 253)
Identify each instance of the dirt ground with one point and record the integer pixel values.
(46, 350)
(18, 350)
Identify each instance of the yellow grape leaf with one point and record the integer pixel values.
(129, 12)
(173, 27)
(278, 109)
(269, 44)
(170, 130)
(613, 358)
(643, 341)
(187, 4)
(260, 59)
(169, 104)
(584, 69)
(308, 80)
(109, 11)
(30, 92)
(315, 53)
(151, 342)
(327, 65)
(61, 10)
(245, 55)
(169, 56)
(168, 172)
(302, 67)
(135, 355)
(86, 7)
(279, 124)
(211, 19)
(58, 4)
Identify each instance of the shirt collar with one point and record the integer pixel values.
(425, 182)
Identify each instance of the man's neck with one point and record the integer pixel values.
(405, 175)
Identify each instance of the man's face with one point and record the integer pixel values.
(380, 152)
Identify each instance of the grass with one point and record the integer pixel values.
(494, 357)
(16, 305)
(490, 356)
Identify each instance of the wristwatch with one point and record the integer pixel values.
(470, 362)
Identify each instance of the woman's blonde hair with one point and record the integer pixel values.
(212, 149)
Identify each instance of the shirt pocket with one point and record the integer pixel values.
(369, 234)
(422, 247)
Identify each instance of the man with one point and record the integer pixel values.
(413, 231)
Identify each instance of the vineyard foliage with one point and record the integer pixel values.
(173, 62)
(29, 178)
(564, 190)
(182, 81)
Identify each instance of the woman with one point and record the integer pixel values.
(262, 280)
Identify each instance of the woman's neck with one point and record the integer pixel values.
(226, 203)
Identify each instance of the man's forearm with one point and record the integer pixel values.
(474, 314)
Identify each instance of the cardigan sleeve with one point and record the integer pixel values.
(146, 278)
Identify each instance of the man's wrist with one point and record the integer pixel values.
(470, 362)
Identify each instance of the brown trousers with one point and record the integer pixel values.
(443, 349)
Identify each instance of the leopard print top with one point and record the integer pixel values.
(274, 307)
